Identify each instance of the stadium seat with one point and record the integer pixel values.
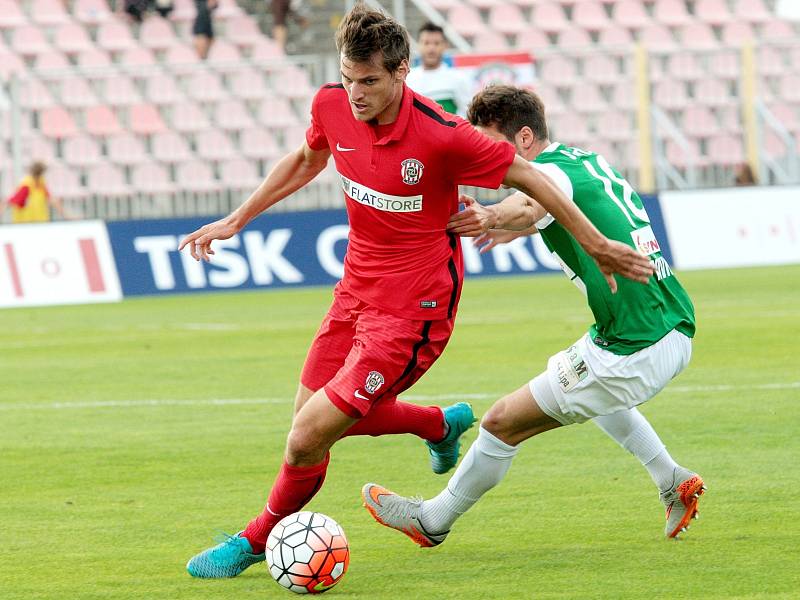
(623, 95)
(39, 148)
(532, 40)
(157, 34)
(151, 178)
(699, 121)
(786, 114)
(187, 117)
(777, 29)
(11, 15)
(714, 12)
(248, 84)
(137, 57)
(72, 38)
(227, 9)
(102, 121)
(601, 68)
(507, 19)
(753, 11)
(490, 41)
(258, 143)
(48, 12)
(170, 147)
(126, 149)
(160, 88)
(294, 136)
(549, 17)
(570, 129)
(232, 115)
(726, 149)
(670, 94)
(145, 119)
(64, 181)
(91, 12)
(444, 5)
(205, 86)
(631, 14)
(239, 173)
(790, 87)
(214, 145)
(121, 91)
(737, 33)
(685, 66)
(657, 37)
(81, 151)
(671, 13)
(614, 37)
(195, 176)
(557, 70)
(181, 59)
(184, 12)
(75, 92)
(725, 65)
(224, 57)
(115, 36)
(276, 112)
(586, 98)
(92, 59)
(11, 63)
(615, 126)
(35, 95)
(29, 40)
(51, 65)
(106, 179)
(466, 20)
(698, 36)
(265, 50)
(681, 157)
(770, 61)
(485, 4)
(590, 16)
(713, 92)
(553, 103)
(243, 31)
(574, 38)
(294, 82)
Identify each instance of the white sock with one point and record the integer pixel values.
(634, 433)
(483, 467)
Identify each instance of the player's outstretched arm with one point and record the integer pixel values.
(611, 256)
(291, 173)
(516, 212)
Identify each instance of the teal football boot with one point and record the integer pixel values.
(226, 559)
(444, 454)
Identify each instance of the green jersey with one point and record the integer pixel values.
(638, 315)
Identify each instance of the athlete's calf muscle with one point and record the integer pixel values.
(517, 417)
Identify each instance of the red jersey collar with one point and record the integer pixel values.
(400, 123)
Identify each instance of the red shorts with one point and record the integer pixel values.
(362, 355)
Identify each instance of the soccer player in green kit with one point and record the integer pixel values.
(641, 338)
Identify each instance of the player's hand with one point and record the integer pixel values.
(199, 242)
(620, 258)
(474, 220)
(488, 240)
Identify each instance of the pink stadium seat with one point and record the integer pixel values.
(40, 148)
(76, 92)
(227, 9)
(615, 127)
(170, 147)
(114, 36)
(56, 122)
(590, 15)
(232, 115)
(713, 92)
(11, 63)
(685, 65)
(630, 13)
(466, 20)
(623, 95)
(574, 37)
(72, 38)
(770, 61)
(790, 87)
(490, 42)
(11, 14)
(714, 12)
(670, 94)
(145, 119)
(243, 31)
(614, 36)
(532, 39)
(195, 176)
(161, 88)
(557, 70)
(151, 178)
(587, 99)
(239, 173)
(293, 137)
(214, 145)
(205, 86)
(753, 11)
(785, 113)
(549, 16)
(295, 83)
(737, 33)
(92, 12)
(64, 181)
(683, 158)
(52, 64)
(570, 129)
(36, 95)
(187, 117)
(224, 57)
(126, 149)
(265, 50)
(698, 36)
(258, 143)
(101, 120)
(157, 34)
(107, 180)
(184, 11)
(121, 91)
(508, 19)
(248, 84)
(725, 64)
(726, 149)
(553, 103)
(81, 151)
(49, 12)
(778, 29)
(29, 40)
(276, 112)
(181, 59)
(672, 13)
(600, 68)
(93, 59)
(699, 121)
(444, 5)
(137, 57)
(657, 37)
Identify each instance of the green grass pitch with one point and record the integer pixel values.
(116, 465)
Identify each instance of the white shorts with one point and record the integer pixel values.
(585, 381)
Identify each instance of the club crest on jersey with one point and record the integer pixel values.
(373, 382)
(411, 170)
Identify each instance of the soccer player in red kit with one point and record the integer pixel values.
(400, 158)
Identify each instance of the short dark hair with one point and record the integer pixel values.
(430, 27)
(37, 169)
(365, 31)
(509, 109)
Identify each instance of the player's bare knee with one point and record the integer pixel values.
(498, 421)
(305, 447)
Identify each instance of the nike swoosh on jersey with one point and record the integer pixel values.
(358, 394)
(340, 149)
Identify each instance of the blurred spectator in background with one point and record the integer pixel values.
(281, 9)
(436, 79)
(203, 29)
(745, 175)
(32, 201)
(137, 8)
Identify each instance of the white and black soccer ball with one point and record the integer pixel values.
(307, 552)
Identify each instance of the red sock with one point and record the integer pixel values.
(294, 487)
(393, 416)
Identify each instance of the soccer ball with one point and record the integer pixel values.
(307, 552)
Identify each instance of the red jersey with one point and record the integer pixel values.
(401, 185)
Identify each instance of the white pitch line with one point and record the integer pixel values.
(685, 389)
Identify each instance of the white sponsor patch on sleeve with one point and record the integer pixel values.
(645, 241)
